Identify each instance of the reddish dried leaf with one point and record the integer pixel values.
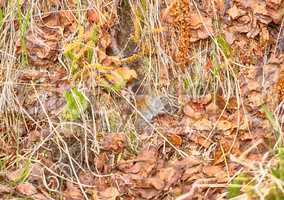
(93, 16)
(175, 139)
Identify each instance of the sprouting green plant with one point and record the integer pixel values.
(133, 141)
(234, 189)
(215, 63)
(76, 104)
(278, 171)
(273, 121)
(224, 46)
(186, 84)
(24, 23)
(220, 44)
(2, 15)
(275, 194)
(94, 38)
(3, 163)
(24, 174)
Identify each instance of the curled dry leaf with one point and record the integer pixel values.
(192, 112)
(115, 142)
(143, 164)
(170, 176)
(42, 45)
(234, 12)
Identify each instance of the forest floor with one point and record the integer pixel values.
(137, 99)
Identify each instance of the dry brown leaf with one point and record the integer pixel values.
(72, 192)
(26, 189)
(143, 164)
(205, 31)
(3, 3)
(220, 6)
(101, 162)
(39, 196)
(192, 111)
(203, 125)
(213, 170)
(148, 193)
(234, 12)
(202, 141)
(156, 182)
(36, 173)
(42, 44)
(110, 193)
(277, 2)
(115, 142)
(190, 171)
(253, 85)
(230, 37)
(87, 177)
(4, 189)
(13, 175)
(224, 125)
(170, 176)
(195, 20)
